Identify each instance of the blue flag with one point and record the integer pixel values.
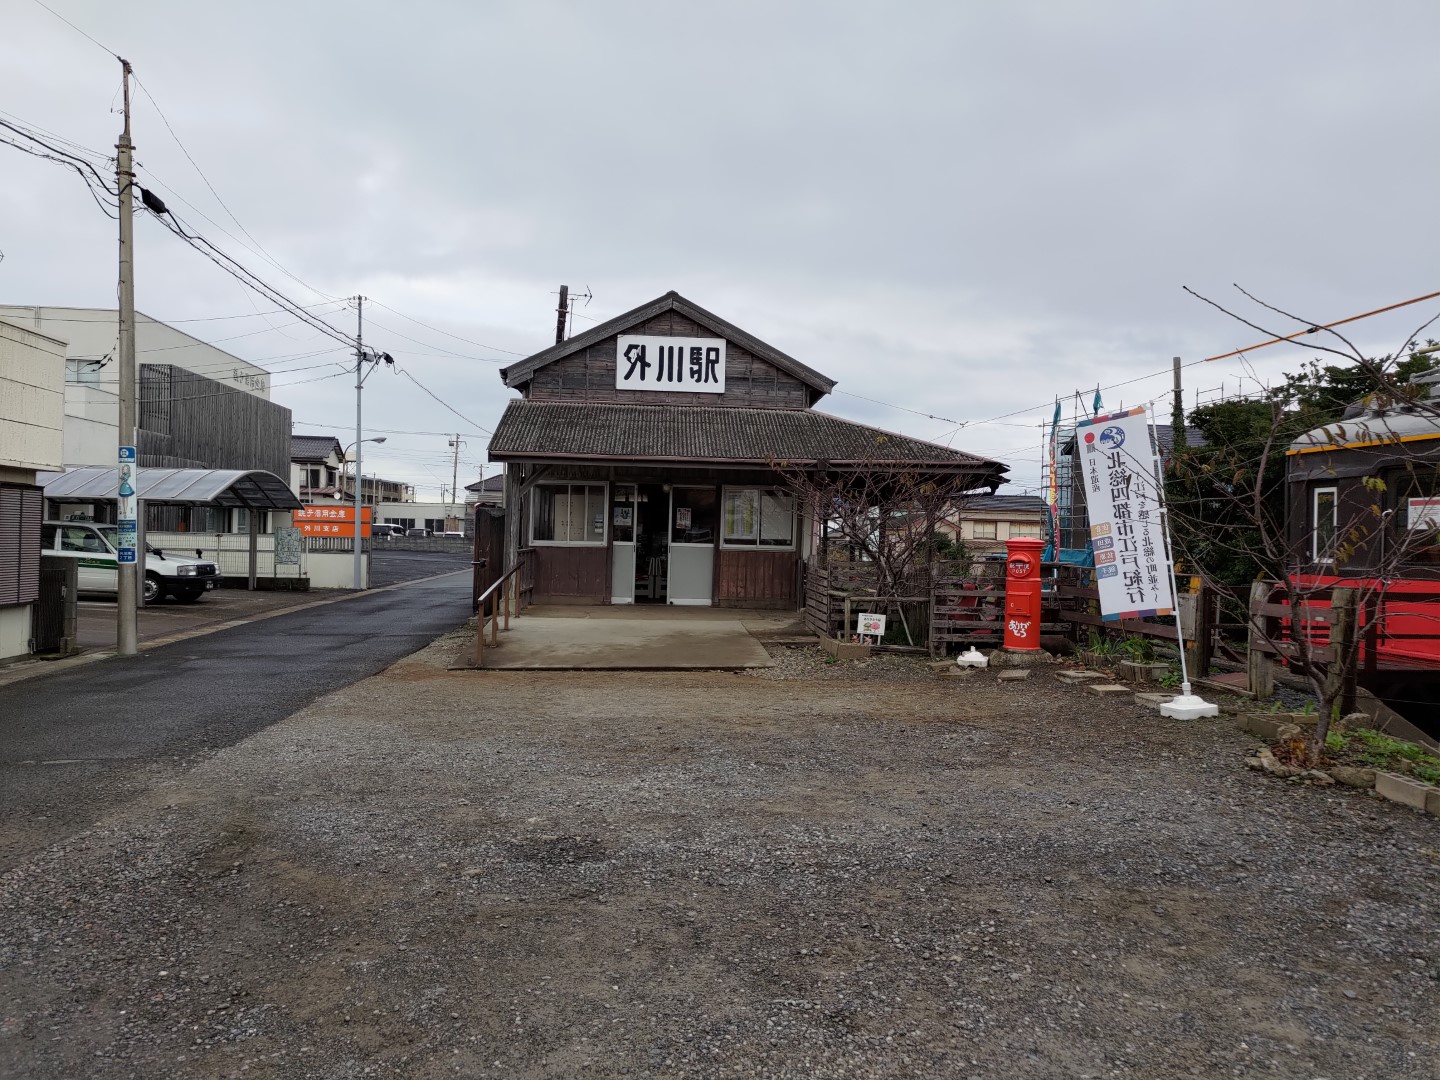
(1096, 407)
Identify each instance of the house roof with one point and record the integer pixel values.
(490, 483)
(981, 505)
(711, 433)
(313, 447)
(520, 372)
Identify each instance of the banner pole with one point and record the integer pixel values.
(1188, 706)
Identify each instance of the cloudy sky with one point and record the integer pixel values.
(954, 209)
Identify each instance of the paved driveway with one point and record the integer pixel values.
(76, 742)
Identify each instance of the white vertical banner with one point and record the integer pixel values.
(1126, 533)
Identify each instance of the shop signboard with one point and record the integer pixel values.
(332, 521)
(691, 365)
(1132, 570)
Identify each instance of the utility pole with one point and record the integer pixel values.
(127, 599)
(1177, 412)
(359, 444)
(561, 312)
(455, 472)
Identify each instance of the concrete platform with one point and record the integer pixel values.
(634, 638)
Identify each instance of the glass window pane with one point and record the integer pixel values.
(543, 506)
(777, 519)
(1325, 524)
(984, 530)
(594, 523)
(694, 517)
(622, 514)
(742, 515)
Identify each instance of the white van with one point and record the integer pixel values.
(93, 547)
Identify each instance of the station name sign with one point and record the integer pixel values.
(691, 365)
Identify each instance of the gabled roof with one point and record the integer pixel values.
(520, 372)
(313, 447)
(490, 483)
(719, 434)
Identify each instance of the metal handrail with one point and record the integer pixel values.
(509, 599)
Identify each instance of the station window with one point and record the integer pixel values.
(758, 517)
(568, 514)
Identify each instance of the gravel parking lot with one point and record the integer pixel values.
(817, 870)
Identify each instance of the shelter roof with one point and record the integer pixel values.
(520, 372)
(253, 489)
(712, 433)
(314, 447)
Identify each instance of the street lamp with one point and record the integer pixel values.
(358, 483)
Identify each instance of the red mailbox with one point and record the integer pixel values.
(1022, 594)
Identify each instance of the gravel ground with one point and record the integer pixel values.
(815, 871)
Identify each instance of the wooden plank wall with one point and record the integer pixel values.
(190, 422)
(589, 375)
(755, 579)
(572, 575)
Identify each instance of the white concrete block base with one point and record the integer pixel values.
(1189, 706)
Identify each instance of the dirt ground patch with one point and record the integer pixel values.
(803, 874)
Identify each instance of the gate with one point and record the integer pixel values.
(489, 557)
(52, 619)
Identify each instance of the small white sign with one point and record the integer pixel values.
(692, 365)
(1424, 514)
(872, 625)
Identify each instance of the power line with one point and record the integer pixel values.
(82, 33)
(259, 247)
(448, 352)
(457, 337)
(901, 408)
(417, 382)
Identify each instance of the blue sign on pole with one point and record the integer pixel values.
(127, 454)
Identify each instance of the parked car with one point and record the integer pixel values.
(417, 532)
(93, 547)
(385, 530)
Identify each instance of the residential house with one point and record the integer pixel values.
(32, 409)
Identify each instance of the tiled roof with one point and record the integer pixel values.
(490, 483)
(596, 430)
(313, 447)
(981, 505)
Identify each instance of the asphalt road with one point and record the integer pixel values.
(389, 566)
(75, 743)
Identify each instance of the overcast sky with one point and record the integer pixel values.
(960, 209)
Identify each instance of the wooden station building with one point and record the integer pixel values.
(639, 462)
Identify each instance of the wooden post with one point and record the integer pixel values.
(480, 635)
(1258, 664)
(845, 626)
(1340, 678)
(509, 584)
(1373, 615)
(1197, 645)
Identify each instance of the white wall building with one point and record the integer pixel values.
(32, 394)
(91, 351)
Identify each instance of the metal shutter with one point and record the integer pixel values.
(21, 510)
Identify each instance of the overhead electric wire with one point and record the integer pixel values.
(247, 277)
(82, 33)
(457, 337)
(1312, 329)
(447, 405)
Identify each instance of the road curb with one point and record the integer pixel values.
(30, 669)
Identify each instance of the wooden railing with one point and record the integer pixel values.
(501, 600)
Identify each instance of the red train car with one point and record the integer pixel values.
(1363, 511)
